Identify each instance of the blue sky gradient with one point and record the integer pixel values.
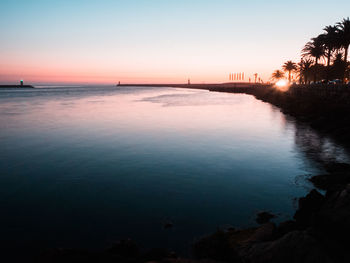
(153, 40)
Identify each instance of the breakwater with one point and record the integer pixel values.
(16, 87)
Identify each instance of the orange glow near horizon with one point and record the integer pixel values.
(199, 64)
(282, 85)
(103, 75)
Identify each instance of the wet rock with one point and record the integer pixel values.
(308, 208)
(264, 217)
(334, 181)
(337, 167)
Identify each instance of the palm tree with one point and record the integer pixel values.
(338, 67)
(344, 37)
(289, 66)
(330, 40)
(305, 68)
(314, 49)
(277, 75)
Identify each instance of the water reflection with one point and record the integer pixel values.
(317, 147)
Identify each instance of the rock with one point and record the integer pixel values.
(294, 247)
(158, 254)
(308, 208)
(242, 236)
(334, 216)
(125, 248)
(263, 233)
(186, 260)
(216, 247)
(285, 227)
(337, 167)
(264, 217)
(334, 181)
(168, 224)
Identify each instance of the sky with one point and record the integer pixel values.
(155, 41)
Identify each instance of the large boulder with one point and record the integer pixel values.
(334, 216)
(309, 207)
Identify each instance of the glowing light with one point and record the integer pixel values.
(281, 83)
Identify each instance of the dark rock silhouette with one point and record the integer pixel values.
(264, 217)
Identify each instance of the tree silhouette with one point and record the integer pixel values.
(330, 40)
(314, 49)
(323, 55)
(305, 70)
(277, 75)
(344, 37)
(289, 67)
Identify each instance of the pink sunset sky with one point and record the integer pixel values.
(90, 42)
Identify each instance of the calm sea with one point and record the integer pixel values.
(86, 166)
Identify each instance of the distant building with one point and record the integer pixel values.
(189, 82)
(21, 82)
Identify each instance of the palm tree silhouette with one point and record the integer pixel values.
(289, 67)
(305, 68)
(314, 49)
(344, 37)
(277, 75)
(330, 40)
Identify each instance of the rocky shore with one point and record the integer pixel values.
(319, 231)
